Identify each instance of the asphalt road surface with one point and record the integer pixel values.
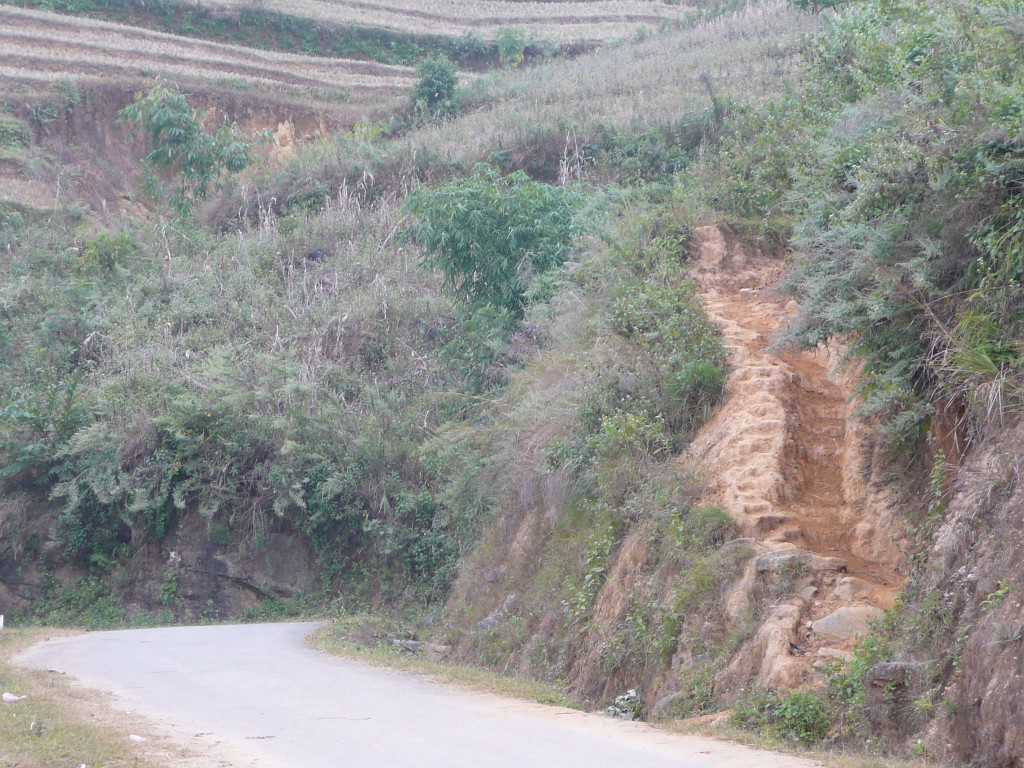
(255, 695)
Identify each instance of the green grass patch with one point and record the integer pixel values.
(13, 133)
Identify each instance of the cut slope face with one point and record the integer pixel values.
(784, 460)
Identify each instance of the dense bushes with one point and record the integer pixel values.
(802, 716)
(909, 230)
(179, 144)
(139, 388)
(435, 89)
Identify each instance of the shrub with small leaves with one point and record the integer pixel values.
(491, 234)
(435, 91)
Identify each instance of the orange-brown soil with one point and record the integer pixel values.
(786, 461)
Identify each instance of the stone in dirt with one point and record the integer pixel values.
(487, 623)
(851, 587)
(775, 561)
(846, 623)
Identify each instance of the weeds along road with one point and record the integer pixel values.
(255, 695)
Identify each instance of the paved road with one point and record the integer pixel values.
(254, 695)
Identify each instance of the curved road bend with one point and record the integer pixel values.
(255, 695)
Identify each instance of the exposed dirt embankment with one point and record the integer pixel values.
(968, 600)
(818, 549)
(796, 474)
(79, 152)
(186, 573)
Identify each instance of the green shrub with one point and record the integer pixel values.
(10, 218)
(704, 527)
(511, 46)
(88, 604)
(695, 390)
(13, 133)
(108, 252)
(179, 143)
(475, 346)
(435, 90)
(801, 716)
(490, 234)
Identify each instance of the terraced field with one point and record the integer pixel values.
(670, 77)
(37, 47)
(57, 154)
(561, 22)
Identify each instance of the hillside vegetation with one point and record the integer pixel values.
(452, 364)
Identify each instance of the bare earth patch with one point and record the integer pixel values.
(795, 474)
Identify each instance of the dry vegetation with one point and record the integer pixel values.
(37, 46)
(746, 56)
(562, 22)
(541, 117)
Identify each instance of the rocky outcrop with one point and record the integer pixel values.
(972, 573)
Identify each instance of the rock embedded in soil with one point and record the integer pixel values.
(846, 623)
(776, 561)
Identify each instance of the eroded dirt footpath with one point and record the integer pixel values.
(785, 461)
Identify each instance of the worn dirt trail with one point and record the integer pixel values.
(784, 460)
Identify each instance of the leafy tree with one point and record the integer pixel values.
(437, 86)
(511, 46)
(179, 143)
(490, 234)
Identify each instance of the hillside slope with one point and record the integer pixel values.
(719, 370)
(65, 80)
(811, 554)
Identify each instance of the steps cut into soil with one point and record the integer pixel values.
(785, 460)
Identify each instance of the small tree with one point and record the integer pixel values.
(511, 46)
(179, 143)
(437, 85)
(490, 234)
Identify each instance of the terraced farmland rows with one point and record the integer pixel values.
(296, 98)
(562, 22)
(37, 46)
(664, 79)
